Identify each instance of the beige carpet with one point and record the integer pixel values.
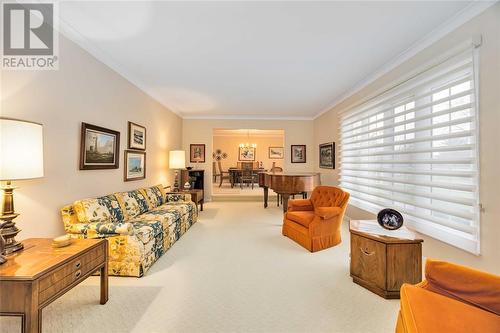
(233, 271)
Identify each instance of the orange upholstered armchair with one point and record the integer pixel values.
(315, 223)
(452, 298)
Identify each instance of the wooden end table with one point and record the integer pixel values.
(33, 278)
(196, 196)
(382, 264)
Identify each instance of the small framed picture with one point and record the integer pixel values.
(135, 165)
(298, 154)
(276, 153)
(136, 136)
(197, 153)
(246, 154)
(99, 148)
(327, 155)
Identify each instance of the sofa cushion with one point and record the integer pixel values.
(155, 195)
(92, 210)
(303, 218)
(135, 203)
(426, 311)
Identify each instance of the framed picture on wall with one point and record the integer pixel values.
(327, 155)
(298, 154)
(135, 165)
(246, 154)
(197, 153)
(136, 136)
(99, 148)
(276, 153)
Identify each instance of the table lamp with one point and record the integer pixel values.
(177, 161)
(21, 157)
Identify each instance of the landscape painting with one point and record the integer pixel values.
(327, 155)
(136, 136)
(135, 165)
(99, 148)
(276, 153)
(246, 154)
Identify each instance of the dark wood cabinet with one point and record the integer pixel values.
(382, 264)
(195, 177)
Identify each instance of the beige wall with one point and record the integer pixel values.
(488, 25)
(230, 145)
(296, 132)
(82, 90)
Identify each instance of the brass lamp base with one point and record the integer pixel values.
(8, 229)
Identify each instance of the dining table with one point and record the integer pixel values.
(234, 174)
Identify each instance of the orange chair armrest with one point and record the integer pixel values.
(327, 212)
(463, 283)
(300, 204)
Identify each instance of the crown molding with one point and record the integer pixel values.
(466, 14)
(246, 117)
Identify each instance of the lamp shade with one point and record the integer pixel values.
(21, 149)
(177, 159)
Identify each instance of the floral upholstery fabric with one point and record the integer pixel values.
(178, 197)
(137, 242)
(135, 203)
(92, 210)
(155, 195)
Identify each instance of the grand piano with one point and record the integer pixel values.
(287, 184)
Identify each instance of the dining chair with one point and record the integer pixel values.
(215, 171)
(279, 198)
(223, 174)
(247, 174)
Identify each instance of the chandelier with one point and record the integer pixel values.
(248, 145)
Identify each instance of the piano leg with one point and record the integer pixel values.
(266, 195)
(285, 196)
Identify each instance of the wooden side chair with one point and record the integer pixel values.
(223, 174)
(215, 171)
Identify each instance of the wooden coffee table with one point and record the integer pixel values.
(33, 278)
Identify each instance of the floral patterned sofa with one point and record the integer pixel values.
(139, 225)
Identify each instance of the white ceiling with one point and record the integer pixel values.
(250, 59)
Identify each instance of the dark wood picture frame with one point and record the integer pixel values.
(293, 159)
(193, 146)
(86, 165)
(126, 176)
(247, 159)
(331, 159)
(276, 158)
(131, 143)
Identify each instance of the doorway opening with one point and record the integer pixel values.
(238, 157)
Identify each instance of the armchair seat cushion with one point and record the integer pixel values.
(303, 218)
(426, 311)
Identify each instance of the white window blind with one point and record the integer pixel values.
(415, 149)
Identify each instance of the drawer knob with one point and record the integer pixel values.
(78, 264)
(78, 273)
(365, 252)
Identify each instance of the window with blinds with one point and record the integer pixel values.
(415, 149)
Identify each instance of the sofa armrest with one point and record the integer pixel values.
(327, 212)
(178, 197)
(98, 230)
(300, 205)
(463, 283)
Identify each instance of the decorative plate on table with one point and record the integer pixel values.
(390, 219)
